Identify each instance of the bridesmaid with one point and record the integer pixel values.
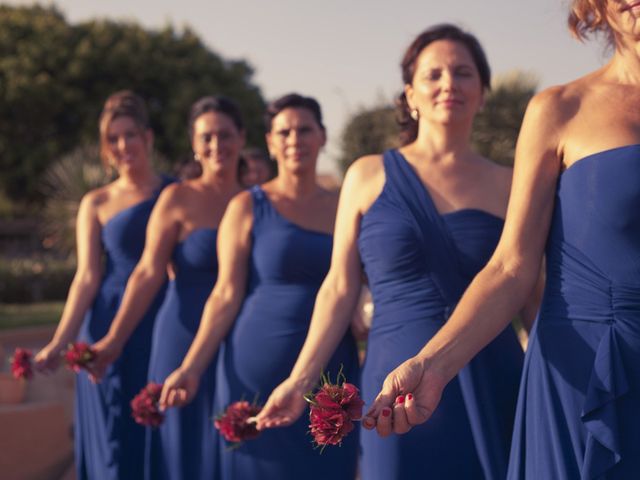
(111, 226)
(575, 191)
(182, 233)
(274, 249)
(422, 220)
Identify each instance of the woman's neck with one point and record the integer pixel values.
(296, 184)
(224, 181)
(625, 64)
(442, 142)
(142, 179)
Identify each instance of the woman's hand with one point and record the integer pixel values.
(284, 406)
(179, 388)
(107, 351)
(48, 359)
(409, 396)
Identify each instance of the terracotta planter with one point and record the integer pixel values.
(12, 391)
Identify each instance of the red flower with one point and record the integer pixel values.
(144, 406)
(333, 410)
(233, 423)
(329, 426)
(79, 355)
(21, 364)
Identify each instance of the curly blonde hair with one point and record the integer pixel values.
(588, 17)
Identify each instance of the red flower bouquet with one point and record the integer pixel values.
(21, 364)
(79, 355)
(233, 424)
(334, 408)
(144, 406)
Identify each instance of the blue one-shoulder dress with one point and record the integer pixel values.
(578, 413)
(418, 263)
(287, 266)
(185, 446)
(109, 445)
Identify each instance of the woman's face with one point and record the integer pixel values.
(217, 142)
(295, 139)
(255, 171)
(446, 86)
(623, 17)
(128, 145)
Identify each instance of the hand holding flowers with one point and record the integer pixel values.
(179, 388)
(145, 406)
(235, 423)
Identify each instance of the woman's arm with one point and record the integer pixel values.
(333, 311)
(162, 235)
(530, 309)
(84, 286)
(499, 290)
(223, 305)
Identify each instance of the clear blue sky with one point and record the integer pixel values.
(346, 53)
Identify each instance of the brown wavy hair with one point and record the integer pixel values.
(587, 17)
(124, 103)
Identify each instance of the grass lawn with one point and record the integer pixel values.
(15, 315)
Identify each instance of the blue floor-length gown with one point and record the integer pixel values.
(287, 265)
(578, 412)
(418, 263)
(109, 445)
(185, 446)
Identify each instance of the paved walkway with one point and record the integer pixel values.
(37, 435)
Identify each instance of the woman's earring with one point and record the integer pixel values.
(196, 157)
(415, 114)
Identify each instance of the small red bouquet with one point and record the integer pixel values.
(21, 364)
(334, 408)
(145, 408)
(79, 355)
(233, 424)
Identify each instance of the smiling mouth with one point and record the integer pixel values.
(630, 6)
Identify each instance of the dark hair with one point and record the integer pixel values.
(124, 103)
(409, 126)
(292, 100)
(258, 155)
(588, 16)
(218, 104)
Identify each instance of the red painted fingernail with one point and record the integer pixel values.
(400, 399)
(386, 412)
(409, 397)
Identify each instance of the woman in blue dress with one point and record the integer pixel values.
(182, 233)
(422, 220)
(576, 191)
(274, 249)
(111, 227)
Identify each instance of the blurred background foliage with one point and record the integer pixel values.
(55, 76)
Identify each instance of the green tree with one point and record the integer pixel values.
(494, 133)
(496, 126)
(54, 78)
(368, 131)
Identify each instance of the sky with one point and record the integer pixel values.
(346, 53)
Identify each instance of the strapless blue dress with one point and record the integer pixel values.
(109, 445)
(419, 263)
(185, 446)
(287, 266)
(578, 412)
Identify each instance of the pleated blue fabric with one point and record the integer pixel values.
(419, 263)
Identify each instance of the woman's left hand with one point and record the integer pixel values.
(107, 351)
(409, 396)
